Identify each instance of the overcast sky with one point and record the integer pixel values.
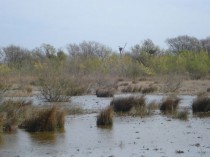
(29, 23)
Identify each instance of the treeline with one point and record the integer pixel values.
(185, 55)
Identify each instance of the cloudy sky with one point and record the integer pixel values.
(29, 23)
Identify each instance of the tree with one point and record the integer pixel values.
(143, 52)
(89, 49)
(15, 56)
(48, 50)
(206, 45)
(184, 43)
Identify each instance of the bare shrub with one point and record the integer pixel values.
(54, 89)
(172, 83)
(104, 118)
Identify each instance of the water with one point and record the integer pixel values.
(157, 135)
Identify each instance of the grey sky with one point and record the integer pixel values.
(29, 23)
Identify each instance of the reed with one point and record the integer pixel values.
(105, 117)
(47, 119)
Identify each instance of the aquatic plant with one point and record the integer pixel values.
(104, 118)
(170, 104)
(201, 104)
(45, 119)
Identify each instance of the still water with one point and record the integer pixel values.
(157, 135)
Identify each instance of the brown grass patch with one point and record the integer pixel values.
(201, 104)
(104, 118)
(50, 119)
(132, 105)
(13, 113)
(170, 104)
(105, 92)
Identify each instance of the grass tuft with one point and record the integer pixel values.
(132, 105)
(104, 118)
(13, 113)
(201, 104)
(170, 104)
(47, 119)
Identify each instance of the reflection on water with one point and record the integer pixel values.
(43, 137)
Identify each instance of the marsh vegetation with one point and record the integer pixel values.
(118, 84)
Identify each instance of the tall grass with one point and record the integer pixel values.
(104, 118)
(201, 104)
(50, 119)
(169, 105)
(132, 105)
(13, 113)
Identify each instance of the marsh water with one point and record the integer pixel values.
(156, 135)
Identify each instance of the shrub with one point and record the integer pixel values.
(54, 89)
(104, 92)
(170, 104)
(201, 104)
(49, 119)
(105, 117)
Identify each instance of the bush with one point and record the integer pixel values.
(54, 89)
(170, 104)
(105, 92)
(49, 119)
(105, 117)
(201, 104)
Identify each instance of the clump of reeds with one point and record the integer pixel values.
(13, 113)
(46, 119)
(105, 92)
(105, 117)
(201, 104)
(170, 104)
(133, 105)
